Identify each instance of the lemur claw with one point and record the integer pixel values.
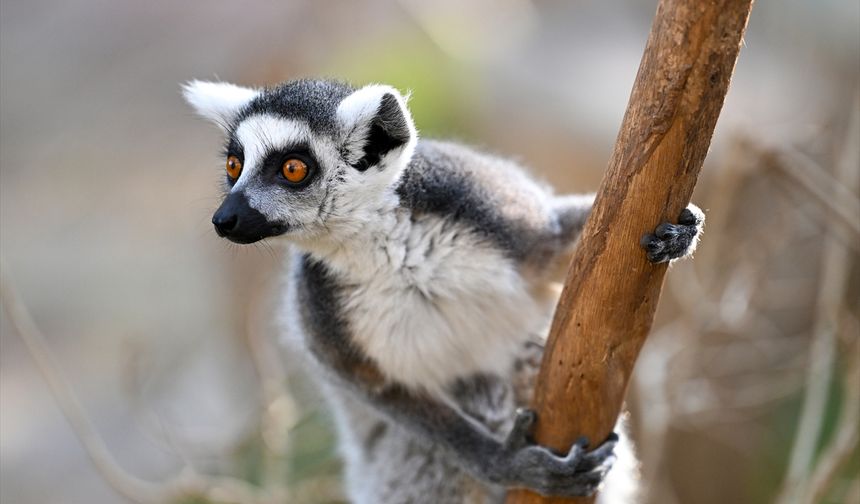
(673, 241)
(577, 473)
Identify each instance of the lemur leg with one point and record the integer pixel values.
(674, 241)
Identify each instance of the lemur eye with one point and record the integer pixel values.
(234, 167)
(295, 170)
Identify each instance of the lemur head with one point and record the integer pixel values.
(306, 158)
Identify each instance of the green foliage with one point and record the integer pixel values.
(313, 449)
(441, 87)
(192, 499)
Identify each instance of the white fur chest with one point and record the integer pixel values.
(429, 301)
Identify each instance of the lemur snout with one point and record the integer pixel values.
(224, 224)
(239, 222)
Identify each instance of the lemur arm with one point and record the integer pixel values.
(513, 462)
(667, 243)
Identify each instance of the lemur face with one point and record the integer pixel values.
(304, 158)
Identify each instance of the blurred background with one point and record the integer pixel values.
(746, 392)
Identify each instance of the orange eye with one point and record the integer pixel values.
(295, 170)
(234, 167)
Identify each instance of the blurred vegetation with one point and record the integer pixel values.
(764, 480)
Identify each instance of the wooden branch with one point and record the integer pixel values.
(611, 291)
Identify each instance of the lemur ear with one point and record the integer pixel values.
(219, 102)
(377, 127)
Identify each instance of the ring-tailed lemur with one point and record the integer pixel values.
(418, 284)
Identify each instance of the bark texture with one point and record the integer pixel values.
(611, 291)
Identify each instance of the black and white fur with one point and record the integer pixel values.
(420, 284)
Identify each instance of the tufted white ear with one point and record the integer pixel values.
(377, 127)
(217, 101)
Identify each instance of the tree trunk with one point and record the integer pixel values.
(611, 291)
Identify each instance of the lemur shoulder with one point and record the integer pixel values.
(419, 285)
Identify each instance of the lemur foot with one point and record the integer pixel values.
(576, 474)
(673, 241)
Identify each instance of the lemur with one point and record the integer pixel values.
(418, 283)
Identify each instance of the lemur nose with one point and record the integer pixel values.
(225, 222)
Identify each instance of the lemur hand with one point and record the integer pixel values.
(527, 465)
(673, 241)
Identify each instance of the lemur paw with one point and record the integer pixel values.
(673, 241)
(576, 474)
